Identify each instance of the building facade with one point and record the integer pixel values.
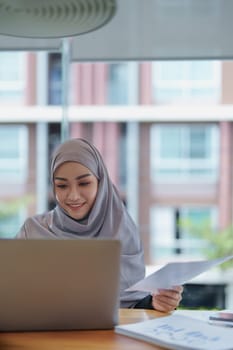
(163, 128)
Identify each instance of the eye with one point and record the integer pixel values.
(85, 183)
(61, 186)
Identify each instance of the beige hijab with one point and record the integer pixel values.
(107, 219)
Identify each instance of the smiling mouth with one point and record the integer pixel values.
(75, 206)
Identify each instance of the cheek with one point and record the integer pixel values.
(59, 196)
(93, 193)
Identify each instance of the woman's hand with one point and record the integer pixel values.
(166, 300)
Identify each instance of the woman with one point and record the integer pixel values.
(89, 206)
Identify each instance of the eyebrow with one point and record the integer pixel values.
(77, 178)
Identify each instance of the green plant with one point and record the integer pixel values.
(9, 208)
(216, 243)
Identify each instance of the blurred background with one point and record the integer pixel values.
(164, 128)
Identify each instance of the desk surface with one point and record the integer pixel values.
(83, 340)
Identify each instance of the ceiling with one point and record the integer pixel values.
(161, 30)
(144, 30)
(10, 43)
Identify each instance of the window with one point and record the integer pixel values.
(9, 225)
(118, 83)
(169, 239)
(55, 79)
(186, 81)
(12, 77)
(122, 157)
(184, 152)
(13, 153)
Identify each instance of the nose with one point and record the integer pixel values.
(74, 194)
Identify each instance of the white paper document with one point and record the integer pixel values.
(176, 273)
(180, 332)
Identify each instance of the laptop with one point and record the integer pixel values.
(59, 284)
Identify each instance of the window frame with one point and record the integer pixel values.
(188, 164)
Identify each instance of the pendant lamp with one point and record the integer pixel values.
(53, 18)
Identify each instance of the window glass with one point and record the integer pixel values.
(13, 153)
(9, 225)
(162, 225)
(55, 77)
(12, 77)
(122, 157)
(170, 239)
(118, 83)
(188, 151)
(186, 81)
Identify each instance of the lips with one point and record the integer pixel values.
(75, 206)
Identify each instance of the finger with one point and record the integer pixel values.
(168, 298)
(179, 289)
(171, 294)
(162, 306)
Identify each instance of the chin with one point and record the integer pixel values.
(77, 217)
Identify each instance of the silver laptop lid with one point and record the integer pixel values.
(59, 284)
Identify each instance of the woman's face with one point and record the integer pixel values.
(75, 189)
